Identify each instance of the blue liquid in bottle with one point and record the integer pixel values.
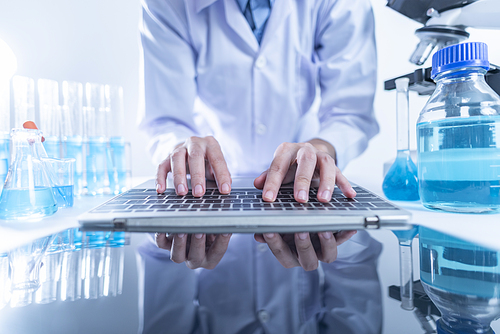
(459, 164)
(4, 160)
(74, 149)
(463, 281)
(23, 203)
(117, 165)
(63, 195)
(96, 165)
(401, 182)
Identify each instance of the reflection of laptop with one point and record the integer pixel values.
(141, 209)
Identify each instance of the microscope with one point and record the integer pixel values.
(445, 23)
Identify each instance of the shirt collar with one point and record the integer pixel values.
(242, 4)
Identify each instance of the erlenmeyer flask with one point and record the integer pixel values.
(28, 191)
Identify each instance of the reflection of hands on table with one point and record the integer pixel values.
(304, 249)
(196, 250)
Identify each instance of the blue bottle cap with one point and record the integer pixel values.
(459, 56)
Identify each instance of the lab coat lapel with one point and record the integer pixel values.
(279, 13)
(237, 22)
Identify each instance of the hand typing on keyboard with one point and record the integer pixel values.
(304, 249)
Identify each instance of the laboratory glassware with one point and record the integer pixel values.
(28, 190)
(463, 281)
(50, 119)
(23, 89)
(458, 134)
(4, 130)
(405, 240)
(93, 245)
(72, 130)
(61, 172)
(118, 148)
(71, 268)
(95, 130)
(401, 182)
(4, 280)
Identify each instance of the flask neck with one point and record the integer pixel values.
(460, 75)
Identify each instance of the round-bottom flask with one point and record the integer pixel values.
(463, 281)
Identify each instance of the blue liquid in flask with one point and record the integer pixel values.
(74, 149)
(401, 182)
(96, 165)
(117, 166)
(27, 203)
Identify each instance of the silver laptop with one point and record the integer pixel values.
(141, 209)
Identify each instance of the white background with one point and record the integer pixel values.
(98, 41)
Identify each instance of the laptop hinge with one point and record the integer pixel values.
(119, 224)
(372, 222)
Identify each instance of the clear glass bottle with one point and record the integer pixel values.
(463, 281)
(458, 134)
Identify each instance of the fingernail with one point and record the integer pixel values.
(269, 195)
(302, 195)
(158, 188)
(327, 235)
(198, 190)
(225, 234)
(226, 188)
(198, 235)
(181, 189)
(325, 195)
(302, 236)
(269, 235)
(181, 235)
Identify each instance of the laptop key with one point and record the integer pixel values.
(238, 206)
(200, 206)
(139, 207)
(160, 206)
(218, 206)
(231, 201)
(252, 200)
(180, 206)
(213, 201)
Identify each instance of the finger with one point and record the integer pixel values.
(217, 250)
(277, 171)
(161, 175)
(196, 159)
(305, 251)
(344, 184)
(197, 251)
(178, 168)
(259, 238)
(219, 166)
(306, 164)
(327, 174)
(260, 180)
(328, 247)
(162, 241)
(178, 251)
(281, 250)
(343, 236)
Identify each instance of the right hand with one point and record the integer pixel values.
(196, 250)
(202, 158)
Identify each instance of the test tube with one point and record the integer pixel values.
(71, 268)
(114, 264)
(72, 130)
(24, 100)
(118, 151)
(4, 280)
(93, 264)
(48, 102)
(95, 131)
(4, 131)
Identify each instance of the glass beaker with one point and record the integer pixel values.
(28, 191)
(401, 182)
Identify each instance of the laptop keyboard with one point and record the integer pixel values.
(147, 200)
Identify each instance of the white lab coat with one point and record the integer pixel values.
(204, 73)
(257, 97)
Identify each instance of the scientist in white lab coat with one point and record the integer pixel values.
(229, 87)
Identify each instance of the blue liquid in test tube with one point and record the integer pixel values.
(117, 165)
(96, 165)
(74, 149)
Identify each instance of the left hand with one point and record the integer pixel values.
(304, 249)
(301, 162)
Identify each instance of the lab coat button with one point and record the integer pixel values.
(262, 247)
(264, 316)
(261, 62)
(261, 129)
